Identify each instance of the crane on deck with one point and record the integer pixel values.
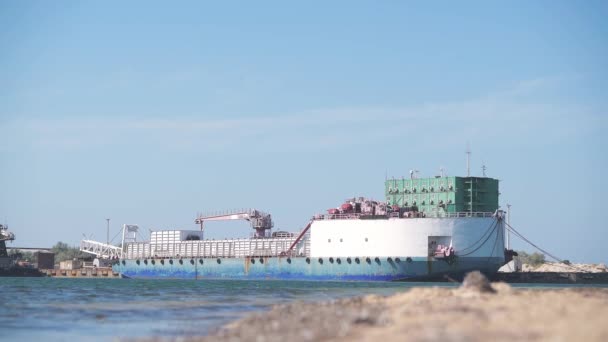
(260, 221)
(5, 235)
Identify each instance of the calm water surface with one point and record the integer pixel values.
(53, 309)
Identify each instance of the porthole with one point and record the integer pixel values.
(261, 261)
(181, 262)
(124, 263)
(320, 260)
(191, 261)
(331, 260)
(348, 260)
(137, 261)
(308, 260)
(368, 260)
(408, 259)
(171, 261)
(289, 260)
(146, 261)
(153, 262)
(377, 260)
(397, 260)
(252, 260)
(219, 261)
(200, 261)
(162, 262)
(338, 261)
(357, 260)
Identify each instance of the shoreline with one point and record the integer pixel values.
(479, 312)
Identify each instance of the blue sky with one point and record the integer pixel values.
(148, 112)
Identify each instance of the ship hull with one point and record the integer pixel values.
(302, 268)
(344, 250)
(20, 272)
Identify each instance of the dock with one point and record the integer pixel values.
(101, 272)
(552, 277)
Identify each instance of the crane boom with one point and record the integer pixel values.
(260, 221)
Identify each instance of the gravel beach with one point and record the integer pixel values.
(476, 311)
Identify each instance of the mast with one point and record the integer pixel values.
(468, 152)
(108, 232)
(508, 224)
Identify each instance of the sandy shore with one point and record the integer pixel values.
(477, 311)
(560, 267)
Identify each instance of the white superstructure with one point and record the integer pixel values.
(479, 235)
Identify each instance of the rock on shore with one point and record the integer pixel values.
(477, 311)
(560, 267)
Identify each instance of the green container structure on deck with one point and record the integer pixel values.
(444, 194)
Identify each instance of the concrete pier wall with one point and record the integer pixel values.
(105, 272)
(552, 277)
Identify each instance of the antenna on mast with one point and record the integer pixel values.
(468, 160)
(483, 169)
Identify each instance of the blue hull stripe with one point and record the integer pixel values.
(299, 268)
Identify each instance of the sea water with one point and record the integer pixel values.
(60, 309)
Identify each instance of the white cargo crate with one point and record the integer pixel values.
(173, 236)
(70, 265)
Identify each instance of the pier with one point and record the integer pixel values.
(551, 277)
(101, 272)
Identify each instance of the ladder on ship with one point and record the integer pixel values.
(100, 250)
(107, 251)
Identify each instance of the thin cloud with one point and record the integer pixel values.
(494, 115)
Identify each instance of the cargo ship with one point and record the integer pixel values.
(424, 229)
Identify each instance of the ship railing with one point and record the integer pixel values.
(354, 216)
(338, 216)
(460, 214)
(233, 248)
